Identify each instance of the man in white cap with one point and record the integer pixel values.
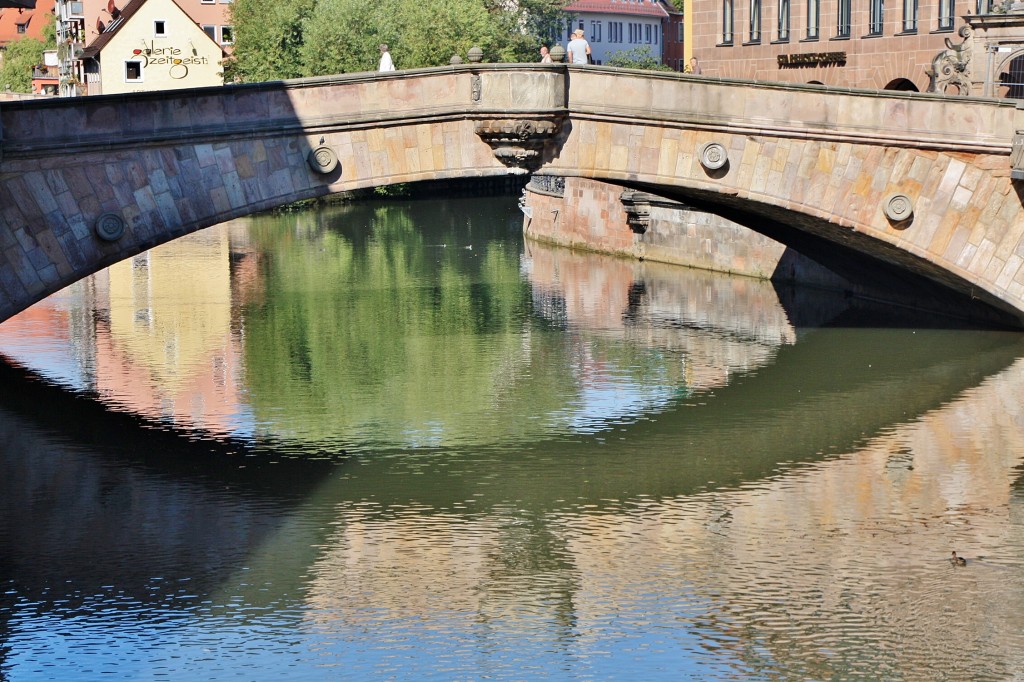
(578, 48)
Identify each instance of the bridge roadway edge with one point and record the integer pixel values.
(827, 160)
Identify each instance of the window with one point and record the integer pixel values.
(876, 10)
(207, 2)
(755, 21)
(679, 38)
(22, 28)
(813, 15)
(160, 28)
(210, 31)
(727, 22)
(946, 15)
(227, 35)
(595, 31)
(783, 27)
(647, 34)
(77, 9)
(133, 71)
(655, 30)
(843, 19)
(910, 11)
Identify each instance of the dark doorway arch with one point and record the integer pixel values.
(902, 85)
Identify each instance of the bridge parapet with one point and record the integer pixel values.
(306, 107)
(786, 110)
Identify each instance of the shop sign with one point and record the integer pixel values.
(812, 59)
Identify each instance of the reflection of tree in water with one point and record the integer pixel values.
(402, 323)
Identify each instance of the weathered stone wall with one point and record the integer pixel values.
(591, 216)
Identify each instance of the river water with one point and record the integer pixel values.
(392, 441)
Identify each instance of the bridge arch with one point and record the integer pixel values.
(920, 182)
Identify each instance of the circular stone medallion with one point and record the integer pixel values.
(322, 160)
(109, 227)
(713, 156)
(898, 208)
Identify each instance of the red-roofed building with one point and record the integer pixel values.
(24, 23)
(614, 26)
(81, 22)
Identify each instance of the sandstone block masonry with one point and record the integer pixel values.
(921, 183)
(598, 216)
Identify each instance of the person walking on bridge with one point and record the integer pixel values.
(578, 48)
(386, 64)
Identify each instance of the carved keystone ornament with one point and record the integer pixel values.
(637, 206)
(519, 143)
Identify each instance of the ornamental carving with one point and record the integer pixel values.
(952, 66)
(638, 210)
(898, 208)
(519, 143)
(109, 227)
(713, 156)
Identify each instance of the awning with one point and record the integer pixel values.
(24, 4)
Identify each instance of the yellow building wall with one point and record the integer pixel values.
(184, 57)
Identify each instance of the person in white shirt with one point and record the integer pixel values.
(578, 48)
(386, 64)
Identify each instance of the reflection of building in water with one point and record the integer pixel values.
(57, 336)
(168, 351)
(836, 567)
(720, 325)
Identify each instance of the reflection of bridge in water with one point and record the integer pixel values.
(920, 184)
(703, 508)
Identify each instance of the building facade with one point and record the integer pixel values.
(152, 45)
(634, 26)
(869, 44)
(17, 23)
(80, 22)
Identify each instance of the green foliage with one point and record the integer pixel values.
(431, 31)
(399, 190)
(269, 35)
(19, 59)
(637, 58)
(342, 36)
(319, 37)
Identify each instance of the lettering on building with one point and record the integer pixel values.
(812, 59)
(172, 57)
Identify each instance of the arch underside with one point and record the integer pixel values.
(879, 270)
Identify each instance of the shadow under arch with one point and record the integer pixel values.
(878, 270)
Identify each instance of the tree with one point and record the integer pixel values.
(342, 36)
(269, 35)
(20, 57)
(319, 37)
(637, 58)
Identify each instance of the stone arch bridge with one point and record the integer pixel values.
(922, 185)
